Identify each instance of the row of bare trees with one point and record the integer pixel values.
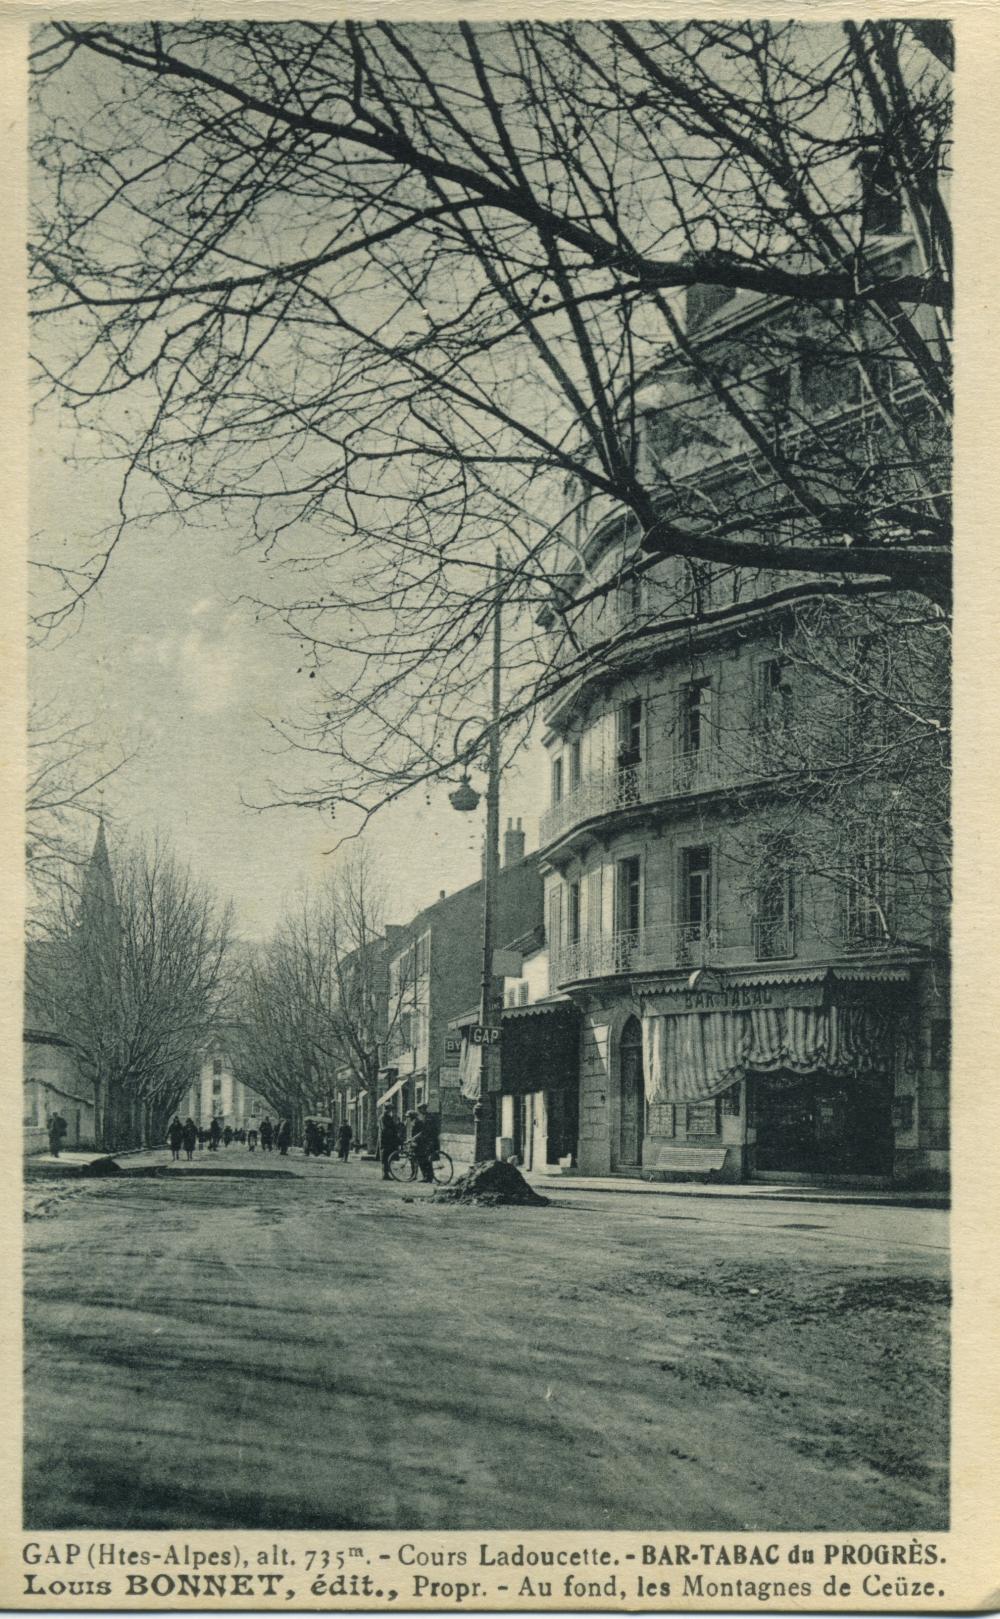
(314, 1005)
(131, 974)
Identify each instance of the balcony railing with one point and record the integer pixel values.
(687, 945)
(603, 792)
(773, 939)
(653, 949)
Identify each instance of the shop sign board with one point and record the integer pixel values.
(480, 1035)
(452, 1050)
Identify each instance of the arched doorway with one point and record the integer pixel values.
(632, 1095)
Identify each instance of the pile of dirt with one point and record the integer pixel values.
(492, 1185)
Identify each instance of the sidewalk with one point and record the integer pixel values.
(553, 1185)
(153, 1161)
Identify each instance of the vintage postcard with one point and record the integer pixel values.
(478, 733)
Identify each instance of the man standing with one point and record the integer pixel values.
(175, 1135)
(388, 1139)
(344, 1135)
(426, 1140)
(189, 1136)
(284, 1137)
(266, 1134)
(57, 1129)
(214, 1135)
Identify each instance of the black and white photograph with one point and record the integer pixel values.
(487, 1032)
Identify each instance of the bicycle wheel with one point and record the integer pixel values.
(442, 1169)
(402, 1167)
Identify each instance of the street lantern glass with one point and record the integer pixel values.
(464, 798)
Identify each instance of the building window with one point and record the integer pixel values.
(423, 955)
(510, 997)
(775, 396)
(630, 733)
(774, 926)
(867, 909)
(630, 597)
(575, 766)
(557, 781)
(873, 684)
(776, 690)
(627, 904)
(573, 912)
(696, 703)
(696, 894)
(216, 1065)
(522, 994)
(405, 1030)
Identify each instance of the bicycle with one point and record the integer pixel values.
(403, 1166)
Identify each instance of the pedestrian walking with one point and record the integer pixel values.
(251, 1141)
(189, 1136)
(388, 1138)
(425, 1136)
(57, 1129)
(227, 1137)
(214, 1135)
(284, 1137)
(175, 1135)
(266, 1135)
(344, 1135)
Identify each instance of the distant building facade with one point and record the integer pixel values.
(538, 1067)
(54, 1084)
(435, 973)
(218, 1094)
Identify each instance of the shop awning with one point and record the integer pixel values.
(539, 1047)
(390, 1093)
(697, 1055)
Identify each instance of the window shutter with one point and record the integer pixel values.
(594, 893)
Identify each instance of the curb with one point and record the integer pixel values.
(647, 1189)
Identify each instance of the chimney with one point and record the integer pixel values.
(513, 843)
(441, 894)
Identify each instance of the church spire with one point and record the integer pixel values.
(98, 902)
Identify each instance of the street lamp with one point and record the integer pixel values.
(465, 799)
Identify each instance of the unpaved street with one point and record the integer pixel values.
(320, 1350)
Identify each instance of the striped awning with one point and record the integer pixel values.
(698, 1055)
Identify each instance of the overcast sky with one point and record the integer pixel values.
(167, 659)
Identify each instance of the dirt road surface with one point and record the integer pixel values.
(317, 1350)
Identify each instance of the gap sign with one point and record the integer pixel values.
(480, 1036)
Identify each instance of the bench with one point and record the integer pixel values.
(702, 1161)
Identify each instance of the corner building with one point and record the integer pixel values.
(758, 950)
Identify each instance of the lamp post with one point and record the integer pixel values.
(465, 799)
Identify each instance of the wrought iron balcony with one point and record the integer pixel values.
(773, 939)
(624, 787)
(657, 949)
